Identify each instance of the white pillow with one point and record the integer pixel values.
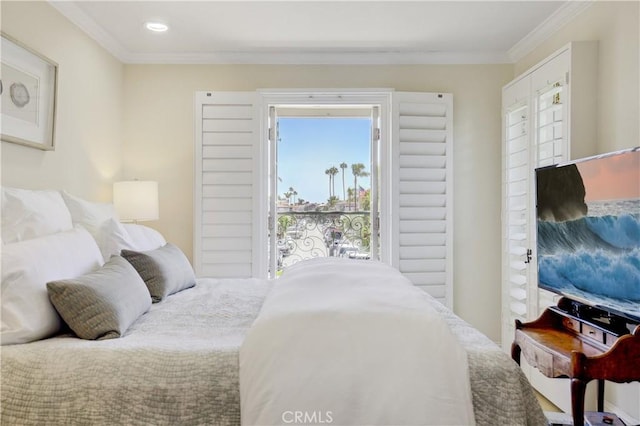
(143, 237)
(88, 214)
(30, 214)
(113, 236)
(25, 310)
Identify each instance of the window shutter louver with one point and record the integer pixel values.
(422, 126)
(226, 146)
(517, 209)
(551, 147)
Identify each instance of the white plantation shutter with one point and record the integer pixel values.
(549, 87)
(516, 222)
(549, 118)
(551, 145)
(225, 156)
(417, 187)
(534, 127)
(423, 211)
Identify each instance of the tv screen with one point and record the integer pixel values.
(588, 231)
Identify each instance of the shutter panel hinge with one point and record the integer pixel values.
(376, 134)
(566, 77)
(270, 134)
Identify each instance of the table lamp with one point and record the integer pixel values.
(136, 200)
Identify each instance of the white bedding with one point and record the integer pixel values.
(351, 342)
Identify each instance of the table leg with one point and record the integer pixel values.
(515, 353)
(577, 401)
(601, 395)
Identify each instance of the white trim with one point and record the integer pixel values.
(259, 239)
(567, 12)
(198, 101)
(448, 98)
(303, 57)
(375, 182)
(385, 177)
(295, 97)
(83, 21)
(269, 169)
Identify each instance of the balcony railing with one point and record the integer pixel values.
(304, 235)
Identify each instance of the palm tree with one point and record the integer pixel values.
(292, 193)
(343, 166)
(358, 171)
(328, 173)
(334, 171)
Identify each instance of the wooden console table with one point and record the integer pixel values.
(583, 344)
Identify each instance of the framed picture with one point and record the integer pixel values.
(28, 95)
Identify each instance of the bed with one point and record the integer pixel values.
(179, 361)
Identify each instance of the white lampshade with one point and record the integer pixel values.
(136, 200)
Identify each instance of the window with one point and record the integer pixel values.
(414, 176)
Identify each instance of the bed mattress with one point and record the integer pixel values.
(178, 364)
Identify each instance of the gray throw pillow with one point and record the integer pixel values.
(165, 270)
(101, 304)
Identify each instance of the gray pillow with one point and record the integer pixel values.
(165, 270)
(101, 304)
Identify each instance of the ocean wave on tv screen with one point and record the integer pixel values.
(608, 233)
(597, 273)
(619, 231)
(596, 258)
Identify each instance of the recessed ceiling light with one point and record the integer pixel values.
(158, 27)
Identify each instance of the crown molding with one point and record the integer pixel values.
(74, 14)
(547, 28)
(301, 57)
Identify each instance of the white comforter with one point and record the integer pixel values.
(351, 342)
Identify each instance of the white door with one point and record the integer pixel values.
(307, 217)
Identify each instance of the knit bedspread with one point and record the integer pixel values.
(178, 364)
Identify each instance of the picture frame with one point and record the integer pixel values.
(28, 86)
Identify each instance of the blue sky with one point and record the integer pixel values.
(309, 146)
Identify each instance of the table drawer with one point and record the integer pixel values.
(610, 339)
(540, 359)
(571, 324)
(593, 333)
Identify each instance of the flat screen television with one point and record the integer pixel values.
(588, 231)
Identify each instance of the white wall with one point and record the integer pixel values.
(159, 139)
(88, 127)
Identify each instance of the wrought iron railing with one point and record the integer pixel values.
(304, 235)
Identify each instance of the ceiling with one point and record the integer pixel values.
(317, 32)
